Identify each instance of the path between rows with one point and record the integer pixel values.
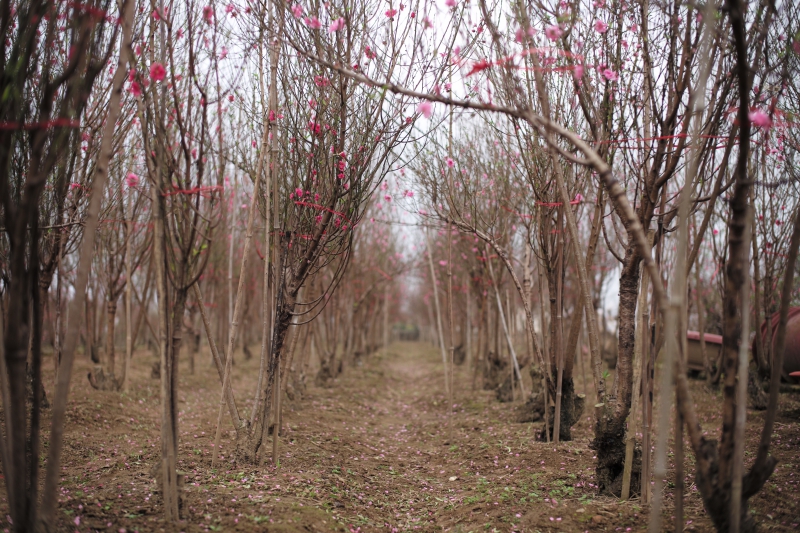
(377, 450)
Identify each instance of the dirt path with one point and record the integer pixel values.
(385, 455)
(376, 451)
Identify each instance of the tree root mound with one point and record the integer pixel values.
(609, 445)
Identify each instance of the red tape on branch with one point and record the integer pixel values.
(55, 123)
(323, 208)
(483, 64)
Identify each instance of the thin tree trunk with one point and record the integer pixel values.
(575, 327)
(231, 249)
(468, 326)
(451, 326)
(111, 317)
(558, 326)
(676, 316)
(438, 313)
(169, 482)
(237, 304)
(741, 393)
(125, 380)
(8, 465)
(276, 414)
(758, 352)
(49, 500)
(386, 318)
(266, 308)
(144, 302)
(215, 356)
(637, 388)
(502, 317)
(701, 325)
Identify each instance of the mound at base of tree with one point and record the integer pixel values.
(101, 380)
(609, 445)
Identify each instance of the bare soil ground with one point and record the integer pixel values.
(376, 451)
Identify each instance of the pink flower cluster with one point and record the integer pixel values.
(336, 25)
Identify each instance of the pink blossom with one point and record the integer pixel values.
(313, 23)
(443, 263)
(760, 119)
(336, 25)
(409, 194)
(298, 192)
(208, 14)
(157, 72)
(391, 13)
(450, 3)
(553, 32)
(135, 89)
(223, 53)
(73, 186)
(600, 26)
(577, 72)
(297, 10)
(229, 8)
(387, 198)
(425, 108)
(132, 180)
(449, 162)
(716, 232)
(610, 75)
